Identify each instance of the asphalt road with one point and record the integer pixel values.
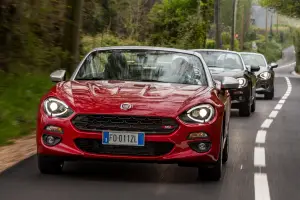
(279, 162)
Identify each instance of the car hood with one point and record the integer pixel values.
(146, 98)
(220, 72)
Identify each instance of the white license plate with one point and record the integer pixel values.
(123, 138)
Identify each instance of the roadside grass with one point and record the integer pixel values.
(19, 98)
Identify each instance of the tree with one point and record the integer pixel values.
(181, 23)
(290, 8)
(72, 33)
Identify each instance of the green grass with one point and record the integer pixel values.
(19, 98)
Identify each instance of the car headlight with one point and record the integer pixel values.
(56, 108)
(242, 82)
(265, 75)
(199, 114)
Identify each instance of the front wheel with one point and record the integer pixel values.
(270, 96)
(212, 173)
(49, 165)
(253, 106)
(226, 151)
(245, 109)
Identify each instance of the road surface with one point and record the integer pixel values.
(264, 163)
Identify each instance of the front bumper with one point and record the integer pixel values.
(170, 148)
(264, 86)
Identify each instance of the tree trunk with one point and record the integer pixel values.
(71, 36)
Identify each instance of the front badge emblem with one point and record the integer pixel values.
(126, 106)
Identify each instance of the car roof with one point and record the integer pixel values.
(144, 48)
(217, 50)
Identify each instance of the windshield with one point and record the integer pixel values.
(225, 60)
(254, 59)
(143, 65)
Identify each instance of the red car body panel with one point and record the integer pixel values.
(148, 99)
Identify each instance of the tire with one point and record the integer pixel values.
(212, 173)
(226, 151)
(253, 106)
(269, 96)
(49, 165)
(245, 110)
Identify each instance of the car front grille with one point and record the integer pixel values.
(98, 123)
(95, 146)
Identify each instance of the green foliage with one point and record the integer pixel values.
(272, 52)
(104, 40)
(180, 23)
(210, 44)
(286, 7)
(19, 97)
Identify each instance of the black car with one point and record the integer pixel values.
(230, 63)
(265, 76)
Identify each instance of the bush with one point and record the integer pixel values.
(104, 40)
(272, 52)
(19, 98)
(210, 44)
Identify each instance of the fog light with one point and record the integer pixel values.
(196, 135)
(202, 146)
(54, 129)
(51, 140)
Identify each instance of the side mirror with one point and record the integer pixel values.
(218, 84)
(230, 83)
(58, 76)
(255, 68)
(273, 65)
(248, 67)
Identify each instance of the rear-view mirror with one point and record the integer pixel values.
(229, 83)
(58, 76)
(273, 65)
(218, 84)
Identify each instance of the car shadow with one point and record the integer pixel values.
(132, 172)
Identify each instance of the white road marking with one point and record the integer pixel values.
(261, 137)
(241, 167)
(259, 157)
(278, 106)
(267, 123)
(273, 114)
(261, 187)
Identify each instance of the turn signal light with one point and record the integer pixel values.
(197, 135)
(54, 129)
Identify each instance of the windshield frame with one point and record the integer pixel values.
(222, 51)
(208, 77)
(255, 54)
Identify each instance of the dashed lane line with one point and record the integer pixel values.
(261, 137)
(259, 157)
(273, 114)
(261, 185)
(267, 123)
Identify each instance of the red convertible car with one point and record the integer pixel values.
(139, 104)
